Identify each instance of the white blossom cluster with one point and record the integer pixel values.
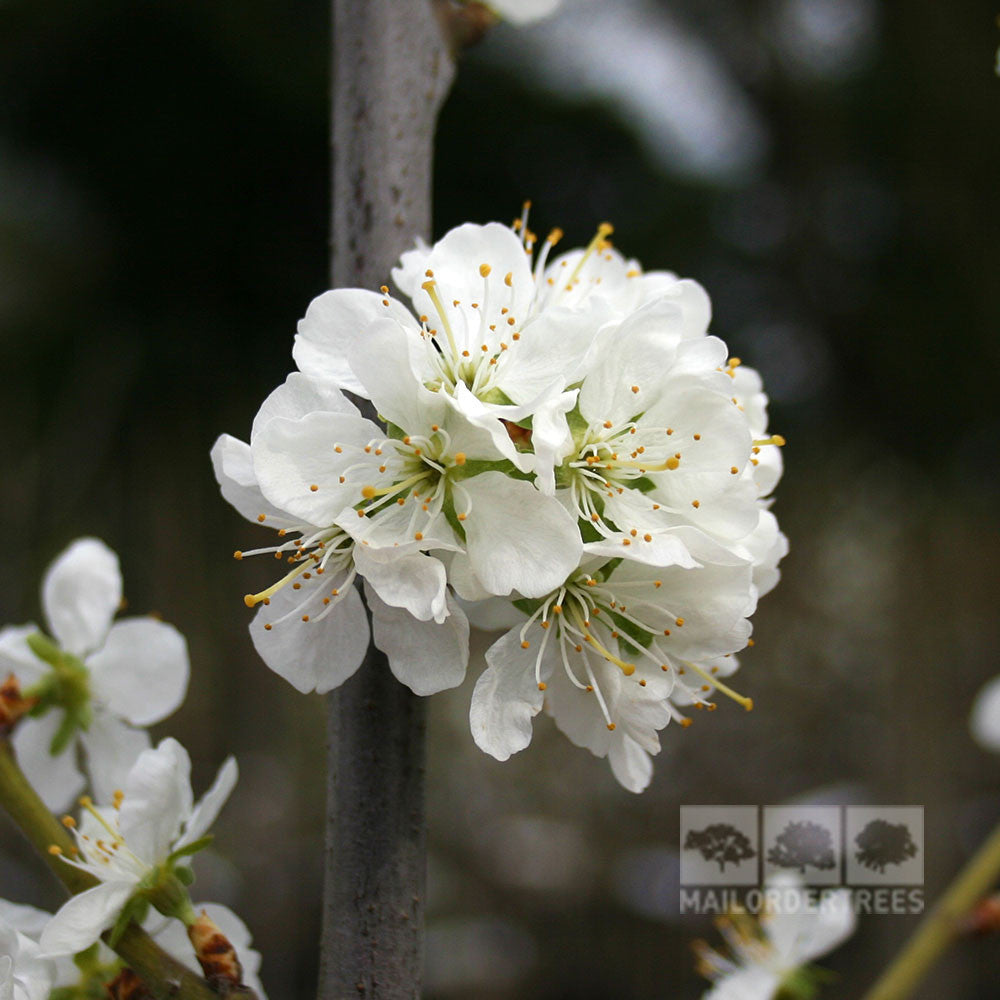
(562, 450)
(93, 684)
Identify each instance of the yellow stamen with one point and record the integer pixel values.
(747, 703)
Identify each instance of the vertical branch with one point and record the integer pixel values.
(391, 71)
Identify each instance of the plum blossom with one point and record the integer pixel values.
(313, 465)
(133, 845)
(566, 450)
(611, 656)
(96, 679)
(773, 953)
(169, 934)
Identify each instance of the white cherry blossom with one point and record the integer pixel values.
(133, 843)
(774, 951)
(312, 464)
(611, 654)
(101, 678)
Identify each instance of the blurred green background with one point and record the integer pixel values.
(826, 168)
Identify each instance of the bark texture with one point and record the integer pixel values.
(391, 71)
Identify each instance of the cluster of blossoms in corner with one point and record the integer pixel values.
(73, 709)
(562, 451)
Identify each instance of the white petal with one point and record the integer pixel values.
(411, 272)
(332, 324)
(754, 983)
(56, 779)
(81, 591)
(233, 466)
(551, 439)
(416, 582)
(292, 456)
(665, 548)
(985, 721)
(456, 260)
(518, 538)
(506, 697)
(27, 920)
(632, 364)
(299, 395)
(630, 764)
(83, 918)
(210, 803)
(524, 11)
(552, 348)
(800, 937)
(112, 748)
(141, 671)
(16, 656)
(381, 361)
(425, 656)
(494, 614)
(314, 655)
(157, 801)
(6, 977)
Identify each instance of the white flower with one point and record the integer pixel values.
(24, 974)
(133, 844)
(313, 463)
(523, 11)
(773, 952)
(985, 721)
(168, 933)
(612, 653)
(101, 679)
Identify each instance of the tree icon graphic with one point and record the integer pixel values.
(722, 843)
(803, 844)
(882, 843)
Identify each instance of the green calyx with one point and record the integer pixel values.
(804, 983)
(65, 686)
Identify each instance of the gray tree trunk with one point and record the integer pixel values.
(391, 71)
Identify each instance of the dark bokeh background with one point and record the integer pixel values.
(827, 168)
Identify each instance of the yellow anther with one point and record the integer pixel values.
(55, 850)
(508, 279)
(484, 270)
(542, 685)
(237, 554)
(525, 644)
(68, 822)
(672, 463)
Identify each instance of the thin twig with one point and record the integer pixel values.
(942, 925)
